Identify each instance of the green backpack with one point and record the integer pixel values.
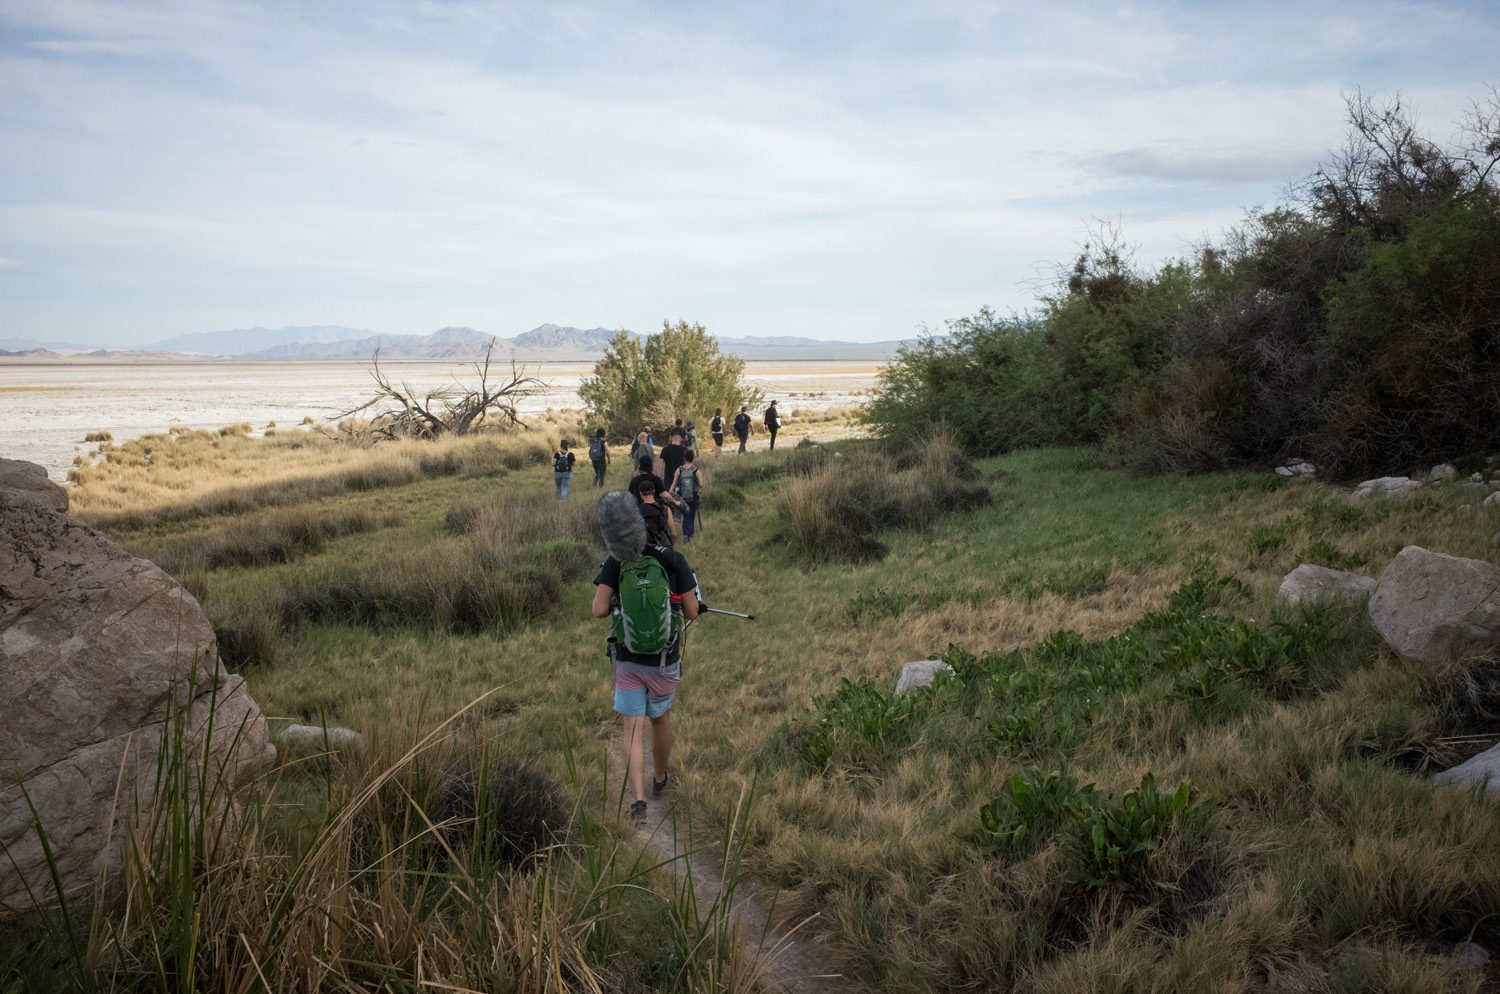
(645, 623)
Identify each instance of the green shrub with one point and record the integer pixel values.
(1033, 807)
(1114, 840)
(861, 722)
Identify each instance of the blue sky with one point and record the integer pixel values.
(838, 170)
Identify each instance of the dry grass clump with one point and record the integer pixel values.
(98, 436)
(189, 475)
(379, 870)
(280, 536)
(833, 509)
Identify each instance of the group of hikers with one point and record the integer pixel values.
(646, 586)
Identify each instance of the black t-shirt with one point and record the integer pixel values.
(679, 575)
(773, 420)
(562, 462)
(671, 458)
(742, 423)
(635, 484)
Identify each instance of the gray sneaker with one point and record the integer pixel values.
(638, 811)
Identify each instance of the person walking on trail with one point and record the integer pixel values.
(650, 593)
(742, 428)
(716, 429)
(690, 434)
(642, 447)
(671, 456)
(647, 488)
(599, 456)
(687, 487)
(562, 469)
(773, 423)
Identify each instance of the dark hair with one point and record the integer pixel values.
(687, 455)
(644, 464)
(566, 444)
(646, 486)
(599, 433)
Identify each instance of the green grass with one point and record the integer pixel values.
(1094, 647)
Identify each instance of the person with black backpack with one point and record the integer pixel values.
(687, 487)
(650, 592)
(742, 427)
(716, 429)
(599, 456)
(562, 469)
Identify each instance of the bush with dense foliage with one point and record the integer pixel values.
(1358, 326)
(677, 373)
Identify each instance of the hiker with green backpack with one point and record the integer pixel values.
(650, 592)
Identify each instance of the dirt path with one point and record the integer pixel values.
(788, 960)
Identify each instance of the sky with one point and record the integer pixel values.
(842, 170)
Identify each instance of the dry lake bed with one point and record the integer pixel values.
(46, 409)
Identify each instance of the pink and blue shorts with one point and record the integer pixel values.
(645, 690)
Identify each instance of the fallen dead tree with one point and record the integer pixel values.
(456, 409)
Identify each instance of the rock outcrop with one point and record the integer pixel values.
(1428, 605)
(1388, 486)
(1481, 769)
(103, 658)
(1309, 584)
(27, 483)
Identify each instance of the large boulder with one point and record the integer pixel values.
(27, 483)
(103, 659)
(1309, 584)
(1388, 486)
(1482, 769)
(1428, 605)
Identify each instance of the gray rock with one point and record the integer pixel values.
(1466, 509)
(26, 483)
(1492, 499)
(1298, 469)
(1476, 478)
(1482, 769)
(1471, 956)
(1309, 584)
(920, 674)
(1443, 473)
(102, 657)
(1429, 606)
(318, 737)
(1388, 486)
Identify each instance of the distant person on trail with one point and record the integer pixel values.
(599, 456)
(671, 455)
(742, 428)
(642, 446)
(773, 423)
(562, 469)
(716, 429)
(650, 592)
(687, 487)
(690, 434)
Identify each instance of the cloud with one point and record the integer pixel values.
(6, 263)
(819, 168)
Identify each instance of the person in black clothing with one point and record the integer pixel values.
(716, 429)
(562, 469)
(671, 455)
(742, 428)
(647, 488)
(773, 422)
(599, 456)
(644, 686)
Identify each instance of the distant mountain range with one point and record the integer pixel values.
(332, 342)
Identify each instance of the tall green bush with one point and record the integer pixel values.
(677, 372)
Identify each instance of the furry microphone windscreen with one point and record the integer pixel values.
(621, 525)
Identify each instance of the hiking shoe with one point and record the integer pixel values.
(659, 787)
(638, 811)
